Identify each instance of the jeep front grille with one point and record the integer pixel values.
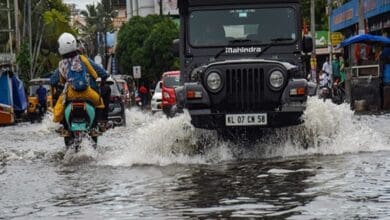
(244, 88)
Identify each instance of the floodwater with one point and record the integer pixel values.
(334, 166)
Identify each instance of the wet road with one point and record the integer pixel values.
(150, 169)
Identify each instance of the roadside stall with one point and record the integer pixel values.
(6, 101)
(365, 85)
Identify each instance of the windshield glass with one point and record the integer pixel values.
(158, 87)
(171, 81)
(224, 27)
(115, 90)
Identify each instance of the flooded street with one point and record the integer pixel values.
(334, 166)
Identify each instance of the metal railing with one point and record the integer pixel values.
(364, 72)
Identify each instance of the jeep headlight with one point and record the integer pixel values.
(214, 81)
(276, 79)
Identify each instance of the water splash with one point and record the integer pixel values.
(154, 139)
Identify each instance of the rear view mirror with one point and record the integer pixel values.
(307, 44)
(176, 47)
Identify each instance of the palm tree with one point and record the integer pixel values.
(99, 20)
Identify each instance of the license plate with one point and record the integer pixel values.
(246, 119)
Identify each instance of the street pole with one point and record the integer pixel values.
(330, 46)
(17, 33)
(9, 27)
(361, 17)
(161, 7)
(313, 60)
(30, 38)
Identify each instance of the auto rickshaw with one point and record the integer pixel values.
(33, 105)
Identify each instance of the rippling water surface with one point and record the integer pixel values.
(334, 166)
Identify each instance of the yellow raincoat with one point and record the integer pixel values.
(70, 94)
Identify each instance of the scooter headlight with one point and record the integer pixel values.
(214, 81)
(276, 79)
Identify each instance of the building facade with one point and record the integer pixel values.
(146, 7)
(376, 14)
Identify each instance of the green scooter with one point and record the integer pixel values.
(79, 117)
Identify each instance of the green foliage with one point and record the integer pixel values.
(147, 42)
(320, 14)
(23, 60)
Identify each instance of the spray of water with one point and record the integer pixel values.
(157, 140)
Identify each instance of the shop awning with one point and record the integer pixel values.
(364, 38)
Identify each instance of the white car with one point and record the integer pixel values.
(157, 98)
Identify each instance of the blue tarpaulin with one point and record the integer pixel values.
(19, 95)
(5, 89)
(365, 38)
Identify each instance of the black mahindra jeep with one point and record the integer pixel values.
(242, 63)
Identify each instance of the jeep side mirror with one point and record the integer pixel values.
(176, 47)
(307, 44)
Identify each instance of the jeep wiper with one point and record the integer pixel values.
(273, 41)
(239, 41)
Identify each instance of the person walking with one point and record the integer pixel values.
(42, 99)
(336, 69)
(105, 93)
(143, 91)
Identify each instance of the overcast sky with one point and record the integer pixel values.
(81, 3)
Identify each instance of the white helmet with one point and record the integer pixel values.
(67, 43)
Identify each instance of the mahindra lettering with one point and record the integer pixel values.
(242, 63)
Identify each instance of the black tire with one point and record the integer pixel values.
(68, 142)
(124, 119)
(95, 142)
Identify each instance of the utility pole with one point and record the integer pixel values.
(30, 39)
(361, 17)
(17, 31)
(330, 46)
(9, 27)
(161, 7)
(313, 60)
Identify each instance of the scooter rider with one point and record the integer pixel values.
(78, 74)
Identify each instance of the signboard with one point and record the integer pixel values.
(336, 38)
(321, 39)
(137, 72)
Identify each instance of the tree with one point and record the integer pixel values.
(158, 47)
(147, 42)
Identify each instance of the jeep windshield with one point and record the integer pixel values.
(254, 26)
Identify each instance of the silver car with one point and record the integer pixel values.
(157, 98)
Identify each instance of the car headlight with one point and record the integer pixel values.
(214, 81)
(276, 79)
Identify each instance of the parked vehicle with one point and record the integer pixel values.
(33, 105)
(124, 89)
(157, 98)
(116, 109)
(170, 80)
(242, 66)
(116, 112)
(79, 116)
(6, 115)
(13, 101)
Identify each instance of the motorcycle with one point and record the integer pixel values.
(79, 117)
(325, 93)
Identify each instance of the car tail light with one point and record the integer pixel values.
(115, 98)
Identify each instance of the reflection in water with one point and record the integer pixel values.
(246, 189)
